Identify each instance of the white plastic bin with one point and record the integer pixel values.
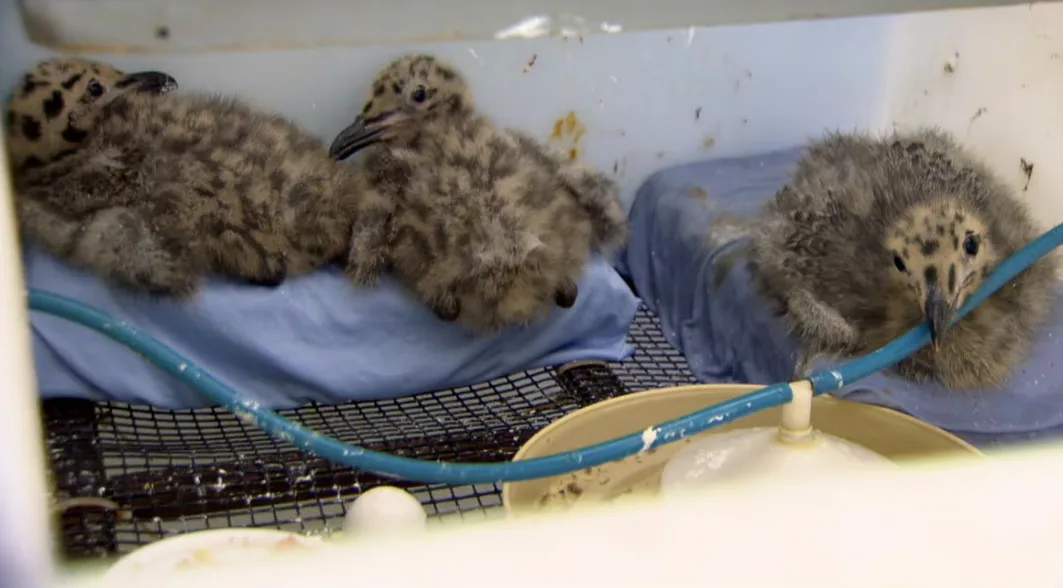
(642, 97)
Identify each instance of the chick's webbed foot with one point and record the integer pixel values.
(168, 287)
(565, 296)
(273, 273)
(269, 282)
(447, 308)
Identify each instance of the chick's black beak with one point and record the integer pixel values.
(358, 135)
(148, 81)
(939, 311)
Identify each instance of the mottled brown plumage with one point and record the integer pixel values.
(54, 106)
(162, 190)
(873, 235)
(486, 225)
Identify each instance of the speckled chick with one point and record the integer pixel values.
(486, 225)
(154, 191)
(875, 234)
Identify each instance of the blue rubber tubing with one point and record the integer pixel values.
(441, 472)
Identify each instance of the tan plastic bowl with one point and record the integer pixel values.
(894, 435)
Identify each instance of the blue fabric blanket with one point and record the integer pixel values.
(692, 275)
(316, 338)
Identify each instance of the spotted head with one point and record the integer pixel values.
(54, 106)
(940, 252)
(406, 94)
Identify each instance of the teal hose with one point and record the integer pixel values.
(394, 466)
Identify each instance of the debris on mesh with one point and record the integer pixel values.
(171, 472)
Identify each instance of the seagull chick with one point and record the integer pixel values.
(486, 225)
(874, 235)
(155, 190)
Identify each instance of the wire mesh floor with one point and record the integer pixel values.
(130, 475)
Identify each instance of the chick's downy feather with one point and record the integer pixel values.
(481, 241)
(850, 249)
(163, 190)
(486, 225)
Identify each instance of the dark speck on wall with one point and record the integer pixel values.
(1027, 170)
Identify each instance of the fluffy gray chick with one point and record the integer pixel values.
(155, 191)
(484, 224)
(874, 235)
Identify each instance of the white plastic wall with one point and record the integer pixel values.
(164, 25)
(645, 100)
(25, 559)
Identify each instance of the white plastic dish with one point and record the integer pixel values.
(216, 547)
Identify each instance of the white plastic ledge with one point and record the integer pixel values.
(25, 523)
(200, 25)
(970, 522)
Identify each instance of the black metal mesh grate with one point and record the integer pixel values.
(169, 472)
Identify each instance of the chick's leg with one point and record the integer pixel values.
(566, 294)
(820, 325)
(82, 183)
(118, 244)
(370, 244)
(445, 306)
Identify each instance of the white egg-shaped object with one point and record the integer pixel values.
(384, 510)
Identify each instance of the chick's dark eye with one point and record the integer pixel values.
(95, 89)
(419, 95)
(970, 245)
(899, 263)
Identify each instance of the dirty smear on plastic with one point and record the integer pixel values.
(635, 476)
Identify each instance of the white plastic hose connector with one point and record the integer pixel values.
(796, 422)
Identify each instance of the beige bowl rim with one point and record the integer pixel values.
(742, 388)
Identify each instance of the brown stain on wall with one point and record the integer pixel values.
(568, 130)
